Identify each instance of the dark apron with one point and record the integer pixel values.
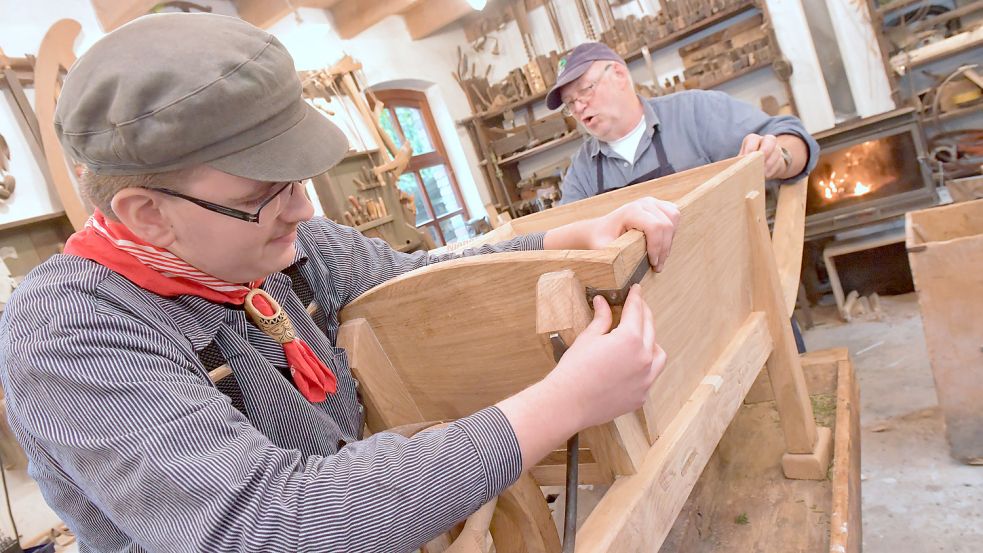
(664, 168)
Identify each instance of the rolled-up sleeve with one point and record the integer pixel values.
(731, 120)
(127, 419)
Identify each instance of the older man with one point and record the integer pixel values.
(195, 138)
(634, 140)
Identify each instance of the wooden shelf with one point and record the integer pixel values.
(31, 220)
(693, 29)
(975, 107)
(540, 148)
(357, 153)
(731, 77)
(374, 223)
(657, 45)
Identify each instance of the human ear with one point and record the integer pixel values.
(141, 211)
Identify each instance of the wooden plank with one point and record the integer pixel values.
(789, 238)
(556, 475)
(846, 531)
(522, 521)
(638, 511)
(113, 13)
(55, 55)
(784, 368)
(947, 267)
(351, 18)
(387, 404)
(430, 16)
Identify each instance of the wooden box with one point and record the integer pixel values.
(945, 249)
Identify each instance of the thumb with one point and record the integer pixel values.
(601, 323)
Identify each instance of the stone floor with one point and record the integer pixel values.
(916, 498)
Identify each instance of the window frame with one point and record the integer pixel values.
(396, 98)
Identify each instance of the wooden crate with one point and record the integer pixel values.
(945, 249)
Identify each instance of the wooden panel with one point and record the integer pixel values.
(789, 238)
(945, 250)
(430, 16)
(387, 404)
(846, 531)
(451, 307)
(351, 18)
(638, 511)
(784, 368)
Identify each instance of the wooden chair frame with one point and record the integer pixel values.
(420, 343)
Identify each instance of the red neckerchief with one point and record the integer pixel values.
(157, 270)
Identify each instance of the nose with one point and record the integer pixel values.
(297, 206)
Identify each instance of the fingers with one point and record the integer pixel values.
(767, 146)
(657, 219)
(648, 327)
(750, 144)
(601, 323)
(633, 313)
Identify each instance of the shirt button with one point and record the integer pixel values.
(626, 164)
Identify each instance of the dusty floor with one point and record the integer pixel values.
(916, 499)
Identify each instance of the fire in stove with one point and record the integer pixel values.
(856, 171)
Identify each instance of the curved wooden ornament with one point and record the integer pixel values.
(55, 56)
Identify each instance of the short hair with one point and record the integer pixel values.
(99, 189)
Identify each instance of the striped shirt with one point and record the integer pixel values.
(107, 390)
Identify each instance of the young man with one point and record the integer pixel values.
(195, 136)
(635, 140)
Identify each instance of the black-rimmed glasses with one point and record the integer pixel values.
(230, 211)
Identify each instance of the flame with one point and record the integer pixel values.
(860, 189)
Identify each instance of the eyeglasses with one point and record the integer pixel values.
(584, 94)
(229, 211)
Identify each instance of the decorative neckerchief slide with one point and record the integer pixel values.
(157, 270)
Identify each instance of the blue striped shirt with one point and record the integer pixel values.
(137, 450)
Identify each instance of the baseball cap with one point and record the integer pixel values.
(576, 64)
(174, 90)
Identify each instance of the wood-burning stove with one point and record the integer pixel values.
(868, 171)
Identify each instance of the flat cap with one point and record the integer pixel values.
(175, 90)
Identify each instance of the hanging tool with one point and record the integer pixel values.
(555, 24)
(585, 19)
(522, 21)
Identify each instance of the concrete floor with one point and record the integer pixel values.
(916, 498)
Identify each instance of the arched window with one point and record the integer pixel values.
(440, 207)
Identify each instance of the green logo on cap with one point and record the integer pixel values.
(562, 65)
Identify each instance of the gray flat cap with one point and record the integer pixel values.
(175, 90)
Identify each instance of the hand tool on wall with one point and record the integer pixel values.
(555, 24)
(585, 19)
(522, 21)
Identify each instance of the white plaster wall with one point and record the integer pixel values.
(861, 56)
(808, 84)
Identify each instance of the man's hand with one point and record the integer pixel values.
(605, 374)
(657, 219)
(775, 166)
(609, 372)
